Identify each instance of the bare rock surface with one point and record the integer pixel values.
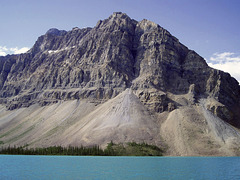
(122, 80)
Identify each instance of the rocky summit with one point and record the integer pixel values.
(121, 81)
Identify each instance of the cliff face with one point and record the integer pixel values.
(119, 53)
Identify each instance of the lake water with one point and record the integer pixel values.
(85, 167)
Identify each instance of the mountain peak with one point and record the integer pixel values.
(117, 21)
(119, 15)
(56, 32)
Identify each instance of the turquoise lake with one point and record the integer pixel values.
(86, 167)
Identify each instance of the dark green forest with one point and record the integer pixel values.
(128, 149)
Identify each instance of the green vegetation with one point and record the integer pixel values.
(134, 149)
(15, 138)
(53, 150)
(12, 130)
(129, 149)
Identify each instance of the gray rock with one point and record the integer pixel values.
(118, 53)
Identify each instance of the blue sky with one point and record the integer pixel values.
(210, 27)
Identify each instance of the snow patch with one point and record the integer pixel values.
(59, 50)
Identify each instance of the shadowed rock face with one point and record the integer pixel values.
(118, 53)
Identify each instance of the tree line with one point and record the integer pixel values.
(57, 150)
(129, 149)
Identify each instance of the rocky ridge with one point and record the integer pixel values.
(119, 53)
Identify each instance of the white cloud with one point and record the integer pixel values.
(224, 57)
(4, 50)
(2, 53)
(19, 51)
(228, 62)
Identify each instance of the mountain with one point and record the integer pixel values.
(124, 81)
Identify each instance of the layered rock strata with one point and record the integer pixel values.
(119, 53)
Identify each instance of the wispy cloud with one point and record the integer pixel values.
(4, 50)
(228, 62)
(19, 51)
